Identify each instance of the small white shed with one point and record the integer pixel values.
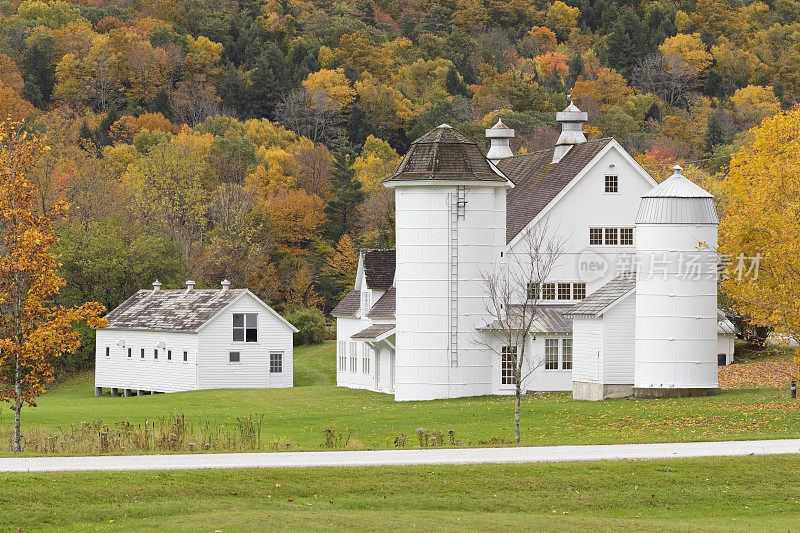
(190, 339)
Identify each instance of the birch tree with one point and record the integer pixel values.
(513, 303)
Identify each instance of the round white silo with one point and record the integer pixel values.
(676, 291)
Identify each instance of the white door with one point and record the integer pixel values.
(391, 369)
(377, 353)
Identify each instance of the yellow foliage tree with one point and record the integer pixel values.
(686, 53)
(762, 195)
(377, 161)
(33, 331)
(561, 18)
(333, 85)
(753, 103)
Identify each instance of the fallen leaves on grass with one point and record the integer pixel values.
(773, 373)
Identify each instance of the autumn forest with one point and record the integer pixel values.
(246, 139)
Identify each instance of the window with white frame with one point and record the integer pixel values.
(155, 353)
(612, 184)
(275, 362)
(365, 358)
(551, 354)
(353, 358)
(562, 290)
(611, 236)
(509, 361)
(169, 355)
(108, 351)
(342, 356)
(234, 356)
(130, 352)
(245, 327)
(141, 354)
(185, 356)
(566, 354)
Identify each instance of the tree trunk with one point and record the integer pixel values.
(516, 412)
(17, 409)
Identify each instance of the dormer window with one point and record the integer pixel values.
(245, 327)
(612, 184)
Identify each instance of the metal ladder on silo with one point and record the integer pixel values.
(458, 204)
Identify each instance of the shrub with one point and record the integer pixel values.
(311, 324)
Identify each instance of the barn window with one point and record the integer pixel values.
(612, 183)
(595, 236)
(130, 352)
(245, 327)
(626, 236)
(365, 360)
(533, 291)
(611, 236)
(578, 291)
(551, 354)
(169, 355)
(185, 356)
(342, 356)
(155, 353)
(108, 351)
(275, 362)
(564, 292)
(548, 291)
(566, 354)
(509, 360)
(234, 357)
(353, 358)
(141, 354)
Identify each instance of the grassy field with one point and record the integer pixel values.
(725, 494)
(298, 417)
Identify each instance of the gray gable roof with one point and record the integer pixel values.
(605, 295)
(379, 268)
(384, 306)
(374, 331)
(548, 319)
(538, 180)
(171, 310)
(349, 305)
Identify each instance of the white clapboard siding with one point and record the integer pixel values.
(216, 340)
(619, 342)
(587, 349)
(149, 374)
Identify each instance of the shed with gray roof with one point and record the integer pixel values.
(188, 339)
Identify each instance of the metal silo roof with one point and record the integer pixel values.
(677, 200)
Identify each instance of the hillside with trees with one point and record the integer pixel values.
(246, 139)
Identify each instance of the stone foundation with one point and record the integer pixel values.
(582, 390)
(653, 392)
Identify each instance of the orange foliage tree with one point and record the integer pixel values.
(33, 331)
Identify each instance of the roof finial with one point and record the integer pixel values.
(676, 170)
(156, 285)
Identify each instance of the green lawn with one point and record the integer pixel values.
(724, 494)
(300, 415)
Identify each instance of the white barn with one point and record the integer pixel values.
(460, 215)
(189, 339)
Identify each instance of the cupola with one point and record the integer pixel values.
(571, 120)
(499, 137)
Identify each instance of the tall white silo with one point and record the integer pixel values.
(676, 291)
(450, 227)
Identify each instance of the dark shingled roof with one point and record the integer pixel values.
(445, 154)
(538, 180)
(379, 268)
(349, 305)
(605, 295)
(171, 310)
(374, 331)
(384, 306)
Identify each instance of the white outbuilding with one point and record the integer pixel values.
(189, 339)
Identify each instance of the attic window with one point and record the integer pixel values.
(234, 357)
(612, 184)
(245, 327)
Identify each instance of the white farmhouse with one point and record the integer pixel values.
(189, 339)
(420, 329)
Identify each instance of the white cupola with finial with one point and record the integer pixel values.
(499, 136)
(571, 120)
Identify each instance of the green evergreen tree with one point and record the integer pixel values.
(454, 84)
(714, 134)
(346, 196)
(38, 69)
